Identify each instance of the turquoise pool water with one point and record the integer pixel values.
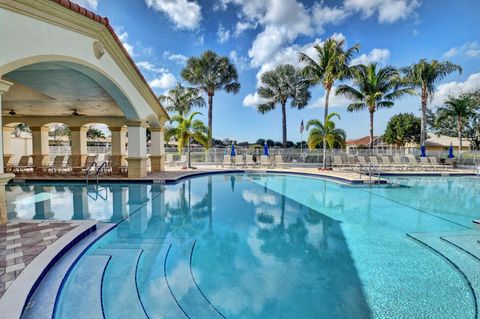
(270, 246)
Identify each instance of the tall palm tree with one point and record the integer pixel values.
(332, 63)
(458, 109)
(210, 73)
(187, 129)
(424, 75)
(325, 131)
(182, 99)
(278, 86)
(373, 88)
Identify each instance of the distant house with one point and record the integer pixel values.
(364, 143)
(442, 142)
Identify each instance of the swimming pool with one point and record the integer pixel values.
(270, 246)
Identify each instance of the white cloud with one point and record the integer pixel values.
(147, 66)
(185, 14)
(469, 49)
(455, 88)
(323, 15)
(223, 34)
(374, 56)
(240, 62)
(89, 4)
(333, 101)
(242, 26)
(165, 81)
(123, 36)
(252, 100)
(177, 58)
(388, 11)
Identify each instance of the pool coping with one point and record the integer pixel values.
(188, 175)
(15, 298)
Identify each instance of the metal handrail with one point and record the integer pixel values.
(87, 172)
(101, 169)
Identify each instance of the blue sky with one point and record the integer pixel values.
(260, 34)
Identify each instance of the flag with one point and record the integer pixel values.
(301, 127)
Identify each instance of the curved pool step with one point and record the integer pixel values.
(120, 295)
(468, 243)
(184, 289)
(85, 301)
(466, 264)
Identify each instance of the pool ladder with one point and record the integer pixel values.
(370, 170)
(99, 170)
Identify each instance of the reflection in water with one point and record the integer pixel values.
(254, 252)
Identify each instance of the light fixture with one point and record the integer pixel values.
(12, 113)
(75, 113)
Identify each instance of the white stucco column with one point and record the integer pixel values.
(7, 147)
(137, 149)
(79, 142)
(40, 140)
(118, 142)
(4, 178)
(157, 149)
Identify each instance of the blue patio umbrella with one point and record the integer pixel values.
(450, 151)
(232, 153)
(265, 149)
(422, 151)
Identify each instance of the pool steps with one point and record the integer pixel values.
(462, 251)
(88, 280)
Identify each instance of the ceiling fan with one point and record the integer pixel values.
(75, 113)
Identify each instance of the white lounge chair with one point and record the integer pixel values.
(279, 161)
(398, 164)
(23, 165)
(264, 161)
(338, 162)
(182, 161)
(435, 163)
(227, 160)
(239, 160)
(169, 160)
(249, 161)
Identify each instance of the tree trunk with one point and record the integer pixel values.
(284, 124)
(210, 107)
(371, 130)
(459, 129)
(188, 150)
(424, 116)
(327, 98)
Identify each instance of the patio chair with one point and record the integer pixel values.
(182, 161)
(279, 161)
(117, 164)
(412, 162)
(386, 162)
(424, 162)
(374, 162)
(398, 164)
(338, 161)
(362, 161)
(57, 164)
(352, 162)
(41, 163)
(435, 163)
(7, 162)
(239, 160)
(227, 160)
(249, 161)
(23, 165)
(264, 161)
(169, 160)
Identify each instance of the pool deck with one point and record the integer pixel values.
(28, 250)
(175, 174)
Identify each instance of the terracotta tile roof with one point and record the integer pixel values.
(365, 141)
(104, 20)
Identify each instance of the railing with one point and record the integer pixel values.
(369, 170)
(101, 170)
(89, 168)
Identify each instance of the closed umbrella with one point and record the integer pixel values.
(232, 153)
(265, 149)
(422, 151)
(450, 151)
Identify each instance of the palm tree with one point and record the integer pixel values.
(187, 129)
(374, 88)
(332, 64)
(283, 83)
(211, 73)
(423, 75)
(182, 99)
(458, 109)
(325, 132)
(95, 133)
